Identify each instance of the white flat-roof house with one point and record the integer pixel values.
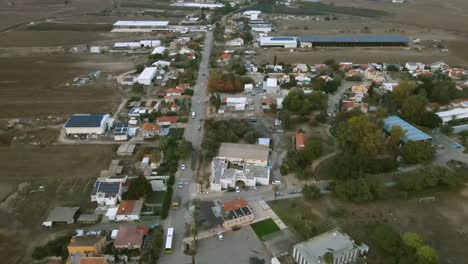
(341, 246)
(237, 103)
(159, 50)
(245, 164)
(283, 42)
(147, 75)
(140, 26)
(262, 28)
(252, 14)
(270, 86)
(237, 42)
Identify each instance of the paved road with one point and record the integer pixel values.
(178, 218)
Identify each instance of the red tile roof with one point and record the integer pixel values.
(93, 260)
(126, 207)
(226, 56)
(150, 127)
(175, 90)
(163, 119)
(234, 205)
(300, 140)
(129, 236)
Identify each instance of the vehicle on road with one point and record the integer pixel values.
(199, 127)
(279, 194)
(220, 236)
(193, 115)
(183, 166)
(168, 248)
(175, 205)
(253, 119)
(237, 189)
(153, 226)
(280, 130)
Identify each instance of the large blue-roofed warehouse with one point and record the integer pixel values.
(87, 124)
(411, 133)
(361, 41)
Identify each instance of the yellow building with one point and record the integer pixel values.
(86, 244)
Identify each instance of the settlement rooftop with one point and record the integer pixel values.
(243, 151)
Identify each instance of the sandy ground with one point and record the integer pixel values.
(66, 172)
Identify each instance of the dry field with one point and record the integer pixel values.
(67, 172)
(439, 223)
(36, 85)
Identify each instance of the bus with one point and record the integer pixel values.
(170, 232)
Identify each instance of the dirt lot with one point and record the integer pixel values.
(36, 85)
(438, 222)
(66, 172)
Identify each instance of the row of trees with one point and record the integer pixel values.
(432, 177)
(226, 82)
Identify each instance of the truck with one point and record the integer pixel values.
(193, 115)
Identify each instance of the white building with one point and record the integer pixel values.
(270, 86)
(414, 66)
(237, 42)
(248, 87)
(150, 43)
(237, 103)
(162, 63)
(283, 42)
(252, 14)
(159, 50)
(389, 86)
(244, 164)
(147, 75)
(340, 245)
(87, 124)
(127, 45)
(454, 114)
(262, 28)
(107, 193)
(140, 26)
(129, 210)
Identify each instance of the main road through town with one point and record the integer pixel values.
(193, 133)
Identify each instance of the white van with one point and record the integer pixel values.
(193, 115)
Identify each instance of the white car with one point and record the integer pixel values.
(220, 236)
(237, 189)
(183, 166)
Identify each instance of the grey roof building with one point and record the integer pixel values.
(243, 151)
(62, 215)
(335, 243)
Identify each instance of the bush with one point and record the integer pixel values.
(311, 192)
(417, 152)
(56, 247)
(360, 190)
(430, 178)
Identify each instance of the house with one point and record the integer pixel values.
(185, 51)
(300, 141)
(237, 42)
(437, 66)
(87, 124)
(263, 141)
(389, 86)
(340, 245)
(248, 87)
(147, 75)
(166, 120)
(121, 133)
(107, 192)
(345, 66)
(361, 88)
(348, 105)
(252, 14)
(60, 214)
(245, 164)
(463, 103)
(89, 244)
(374, 75)
(174, 92)
(149, 130)
(174, 107)
(236, 213)
(162, 63)
(236, 103)
(270, 86)
(225, 57)
(129, 210)
(457, 73)
(353, 74)
(130, 237)
(159, 50)
(300, 67)
(413, 66)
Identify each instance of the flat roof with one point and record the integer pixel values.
(85, 120)
(62, 215)
(141, 23)
(411, 132)
(148, 73)
(243, 151)
(356, 39)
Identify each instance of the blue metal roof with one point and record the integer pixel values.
(355, 39)
(282, 38)
(411, 132)
(84, 121)
(120, 130)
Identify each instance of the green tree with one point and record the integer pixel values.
(427, 255)
(417, 152)
(396, 134)
(328, 258)
(446, 129)
(139, 187)
(184, 148)
(285, 117)
(250, 137)
(311, 192)
(412, 240)
(414, 108)
(138, 89)
(403, 91)
(312, 149)
(359, 135)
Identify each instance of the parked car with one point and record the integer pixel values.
(279, 194)
(237, 189)
(220, 236)
(183, 166)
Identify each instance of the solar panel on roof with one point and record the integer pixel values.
(84, 121)
(109, 188)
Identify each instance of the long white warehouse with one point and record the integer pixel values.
(454, 114)
(140, 26)
(86, 124)
(147, 75)
(284, 42)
